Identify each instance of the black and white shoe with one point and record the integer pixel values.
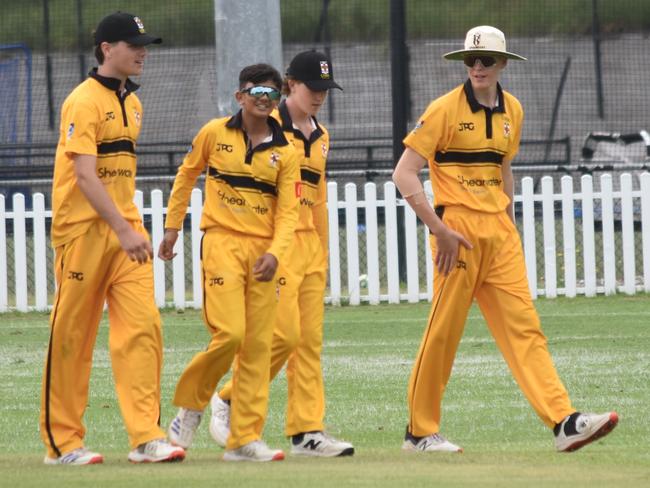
(319, 444)
(430, 443)
(579, 429)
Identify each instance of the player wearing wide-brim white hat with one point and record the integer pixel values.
(483, 40)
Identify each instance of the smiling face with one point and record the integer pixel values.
(259, 107)
(484, 78)
(123, 59)
(306, 100)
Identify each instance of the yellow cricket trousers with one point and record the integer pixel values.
(298, 333)
(494, 273)
(238, 312)
(90, 270)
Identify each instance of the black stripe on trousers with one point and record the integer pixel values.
(48, 369)
(419, 365)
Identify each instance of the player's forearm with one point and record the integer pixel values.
(407, 181)
(94, 191)
(180, 196)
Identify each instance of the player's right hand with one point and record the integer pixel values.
(166, 248)
(135, 245)
(448, 243)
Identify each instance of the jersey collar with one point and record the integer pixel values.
(113, 83)
(473, 102)
(278, 139)
(287, 125)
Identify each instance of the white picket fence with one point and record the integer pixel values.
(354, 285)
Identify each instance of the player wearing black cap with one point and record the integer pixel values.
(103, 254)
(298, 332)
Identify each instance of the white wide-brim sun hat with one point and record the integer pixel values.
(484, 40)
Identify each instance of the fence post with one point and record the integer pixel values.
(4, 291)
(334, 245)
(607, 223)
(627, 229)
(20, 252)
(392, 258)
(157, 232)
(645, 229)
(588, 238)
(352, 238)
(197, 236)
(550, 253)
(528, 217)
(568, 236)
(372, 243)
(40, 253)
(412, 278)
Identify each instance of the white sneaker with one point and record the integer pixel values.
(181, 430)
(430, 443)
(319, 444)
(584, 428)
(78, 457)
(156, 451)
(256, 451)
(220, 420)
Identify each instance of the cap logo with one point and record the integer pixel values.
(477, 40)
(140, 24)
(324, 70)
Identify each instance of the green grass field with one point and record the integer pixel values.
(601, 347)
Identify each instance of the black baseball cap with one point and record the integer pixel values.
(121, 26)
(314, 69)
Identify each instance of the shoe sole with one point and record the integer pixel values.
(410, 447)
(605, 429)
(176, 457)
(278, 457)
(94, 460)
(344, 453)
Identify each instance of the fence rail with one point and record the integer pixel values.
(364, 258)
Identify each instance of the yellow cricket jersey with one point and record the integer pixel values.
(465, 144)
(250, 191)
(96, 120)
(312, 153)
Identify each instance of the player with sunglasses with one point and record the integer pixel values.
(469, 138)
(298, 333)
(249, 217)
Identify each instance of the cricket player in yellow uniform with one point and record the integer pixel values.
(298, 333)
(469, 138)
(103, 255)
(249, 217)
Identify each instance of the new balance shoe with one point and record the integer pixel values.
(156, 451)
(181, 430)
(319, 444)
(579, 429)
(219, 420)
(429, 443)
(78, 457)
(256, 451)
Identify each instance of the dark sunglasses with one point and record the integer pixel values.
(260, 91)
(486, 61)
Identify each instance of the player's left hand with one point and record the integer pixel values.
(265, 267)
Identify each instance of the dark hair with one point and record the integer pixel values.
(99, 54)
(257, 73)
(285, 85)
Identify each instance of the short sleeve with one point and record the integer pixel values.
(426, 136)
(80, 122)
